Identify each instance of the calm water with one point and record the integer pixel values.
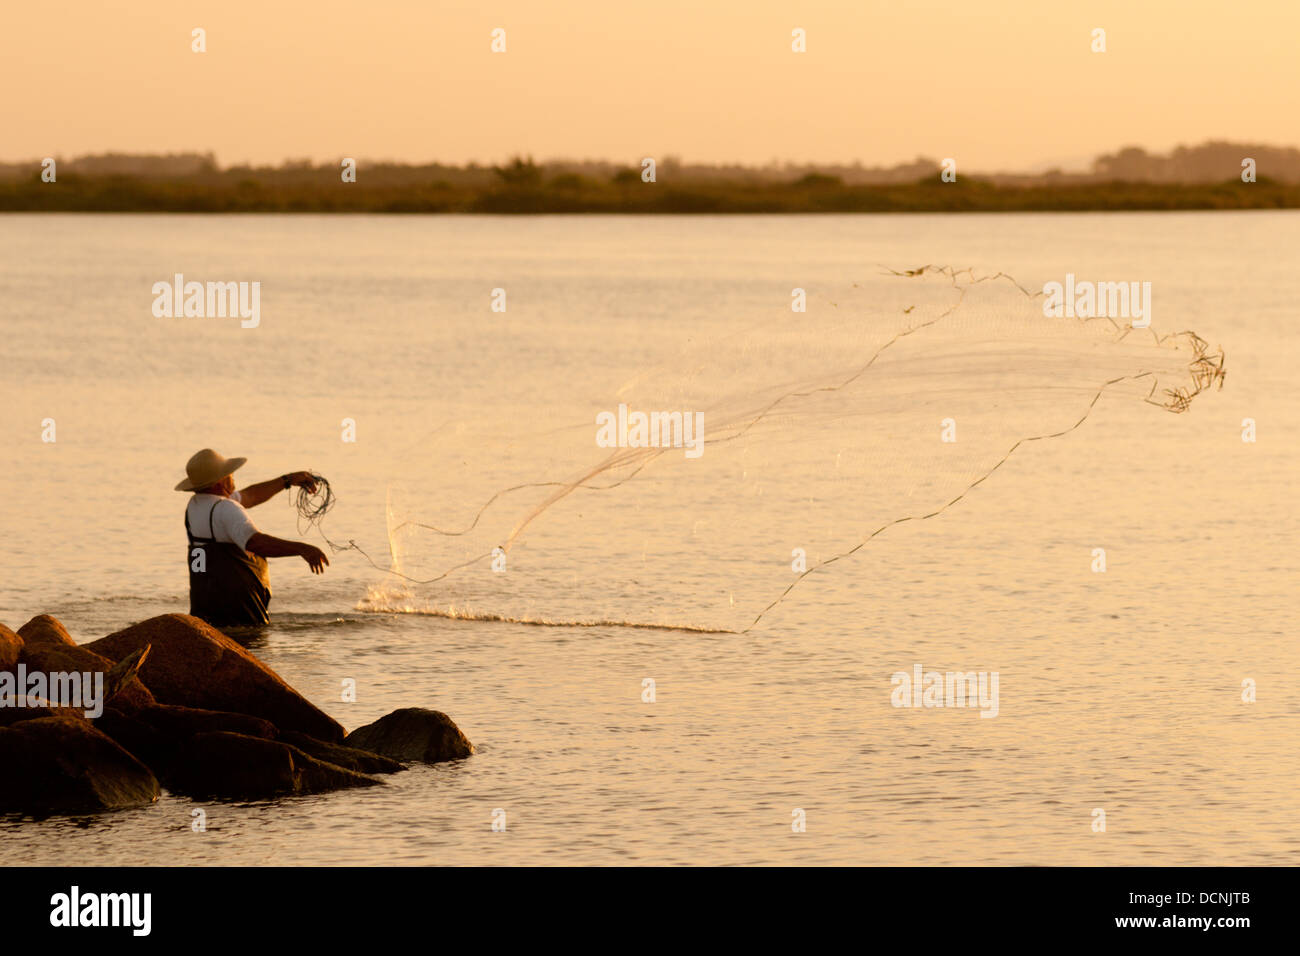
(1119, 691)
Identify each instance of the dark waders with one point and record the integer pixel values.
(233, 590)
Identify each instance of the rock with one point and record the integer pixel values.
(413, 733)
(362, 761)
(194, 665)
(11, 646)
(124, 672)
(159, 734)
(52, 657)
(60, 765)
(44, 629)
(180, 723)
(141, 740)
(236, 766)
(36, 708)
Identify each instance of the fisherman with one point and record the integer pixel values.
(229, 586)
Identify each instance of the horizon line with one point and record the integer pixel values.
(1076, 164)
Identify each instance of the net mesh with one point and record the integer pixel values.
(823, 432)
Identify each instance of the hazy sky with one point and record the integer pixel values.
(1002, 84)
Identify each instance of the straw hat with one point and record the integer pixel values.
(206, 467)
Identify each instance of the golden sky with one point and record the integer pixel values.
(1000, 84)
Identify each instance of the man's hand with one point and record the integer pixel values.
(302, 479)
(271, 547)
(315, 558)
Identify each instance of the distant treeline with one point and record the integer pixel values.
(967, 194)
(1204, 177)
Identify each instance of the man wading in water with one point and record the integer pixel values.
(227, 556)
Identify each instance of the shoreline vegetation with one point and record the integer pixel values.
(1202, 177)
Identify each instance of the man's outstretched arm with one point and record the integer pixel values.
(254, 495)
(269, 546)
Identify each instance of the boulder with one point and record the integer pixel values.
(11, 646)
(413, 733)
(159, 734)
(349, 758)
(239, 767)
(44, 629)
(141, 740)
(192, 664)
(53, 657)
(180, 723)
(37, 707)
(60, 765)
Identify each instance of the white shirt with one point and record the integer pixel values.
(231, 524)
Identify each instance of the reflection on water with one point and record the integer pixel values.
(1118, 690)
